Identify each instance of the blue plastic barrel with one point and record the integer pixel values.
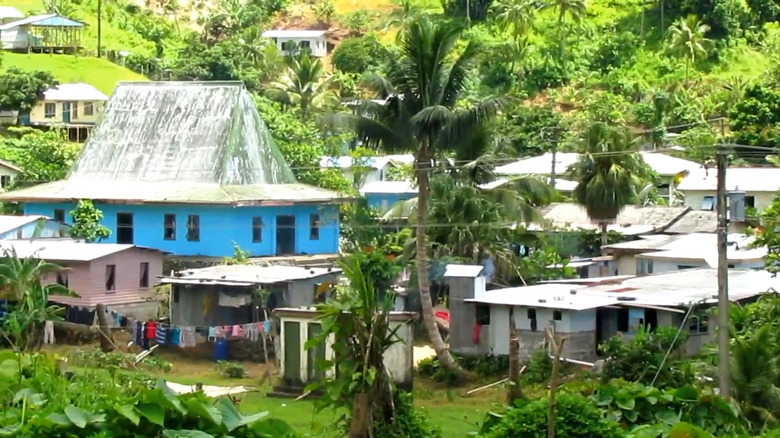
(221, 349)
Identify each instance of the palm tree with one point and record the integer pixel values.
(304, 84)
(518, 16)
(419, 94)
(755, 375)
(687, 40)
(609, 172)
(402, 19)
(573, 8)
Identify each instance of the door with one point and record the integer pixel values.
(66, 112)
(124, 228)
(285, 235)
(316, 354)
(292, 353)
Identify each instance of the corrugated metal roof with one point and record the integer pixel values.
(631, 220)
(247, 275)
(10, 223)
(748, 179)
(388, 187)
(662, 164)
(695, 221)
(293, 33)
(172, 193)
(74, 92)
(468, 271)
(345, 162)
(70, 250)
(562, 185)
(114, 298)
(8, 165)
(673, 289)
(47, 20)
(10, 12)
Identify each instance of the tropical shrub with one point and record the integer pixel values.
(357, 55)
(231, 370)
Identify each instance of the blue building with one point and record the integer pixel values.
(191, 169)
(382, 195)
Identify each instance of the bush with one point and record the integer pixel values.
(539, 368)
(231, 370)
(356, 55)
(357, 22)
(431, 368)
(410, 421)
(575, 416)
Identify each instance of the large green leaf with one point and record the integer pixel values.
(152, 412)
(33, 398)
(686, 393)
(129, 412)
(232, 418)
(11, 430)
(59, 419)
(205, 411)
(80, 417)
(272, 428)
(186, 434)
(166, 398)
(627, 404)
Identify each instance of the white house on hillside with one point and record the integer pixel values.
(669, 168)
(759, 184)
(362, 171)
(77, 107)
(288, 41)
(9, 14)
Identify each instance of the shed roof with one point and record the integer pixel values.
(388, 187)
(10, 223)
(562, 185)
(696, 246)
(66, 250)
(672, 289)
(664, 165)
(44, 20)
(694, 221)
(748, 179)
(179, 142)
(247, 275)
(10, 12)
(456, 270)
(293, 33)
(8, 165)
(631, 221)
(345, 162)
(74, 92)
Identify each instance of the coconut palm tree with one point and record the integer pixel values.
(687, 40)
(609, 172)
(418, 113)
(566, 8)
(304, 84)
(517, 15)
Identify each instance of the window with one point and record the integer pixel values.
(50, 110)
(314, 227)
(532, 318)
(699, 324)
(305, 45)
(144, 280)
(175, 294)
(169, 227)
(74, 110)
(750, 201)
(124, 228)
(62, 278)
(257, 229)
(557, 315)
(482, 314)
(110, 277)
(644, 266)
(193, 228)
(5, 181)
(59, 215)
(681, 267)
(708, 203)
(622, 320)
(89, 108)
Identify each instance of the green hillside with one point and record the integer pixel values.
(101, 73)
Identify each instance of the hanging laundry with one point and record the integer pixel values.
(187, 337)
(161, 334)
(118, 319)
(138, 333)
(251, 332)
(237, 330)
(48, 332)
(267, 326)
(150, 332)
(175, 334)
(212, 334)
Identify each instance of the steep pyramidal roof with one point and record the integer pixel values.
(179, 142)
(195, 132)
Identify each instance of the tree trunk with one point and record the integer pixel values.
(358, 427)
(557, 348)
(446, 360)
(604, 234)
(106, 338)
(515, 391)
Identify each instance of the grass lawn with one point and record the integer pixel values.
(101, 73)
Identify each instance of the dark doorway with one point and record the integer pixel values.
(651, 319)
(124, 228)
(285, 235)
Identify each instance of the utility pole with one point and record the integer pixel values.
(724, 373)
(99, 30)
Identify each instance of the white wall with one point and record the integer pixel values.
(571, 322)
(671, 265)
(694, 198)
(318, 46)
(15, 38)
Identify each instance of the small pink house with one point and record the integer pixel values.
(119, 276)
